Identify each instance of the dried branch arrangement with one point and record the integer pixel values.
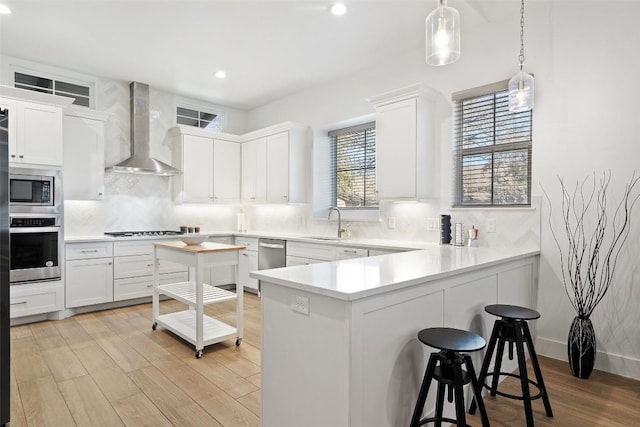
(593, 238)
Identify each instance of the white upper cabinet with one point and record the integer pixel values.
(35, 137)
(278, 174)
(210, 165)
(84, 154)
(254, 170)
(226, 171)
(274, 164)
(405, 144)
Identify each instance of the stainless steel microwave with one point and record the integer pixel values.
(31, 190)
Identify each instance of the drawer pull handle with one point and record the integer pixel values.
(245, 254)
(347, 251)
(149, 265)
(18, 303)
(89, 251)
(150, 286)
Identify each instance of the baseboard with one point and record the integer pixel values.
(608, 362)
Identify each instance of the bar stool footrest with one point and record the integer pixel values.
(512, 396)
(434, 419)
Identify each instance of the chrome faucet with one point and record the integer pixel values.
(340, 229)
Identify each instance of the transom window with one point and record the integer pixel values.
(81, 94)
(492, 149)
(198, 118)
(354, 166)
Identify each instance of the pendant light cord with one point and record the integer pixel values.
(521, 57)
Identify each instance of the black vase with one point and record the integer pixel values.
(581, 347)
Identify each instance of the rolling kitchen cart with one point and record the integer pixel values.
(192, 324)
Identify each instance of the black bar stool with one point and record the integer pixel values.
(445, 367)
(512, 327)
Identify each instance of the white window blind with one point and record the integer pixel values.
(492, 149)
(354, 166)
(81, 94)
(198, 118)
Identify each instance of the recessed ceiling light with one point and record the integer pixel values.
(221, 74)
(4, 10)
(338, 9)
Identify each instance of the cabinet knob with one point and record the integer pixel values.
(21, 156)
(13, 156)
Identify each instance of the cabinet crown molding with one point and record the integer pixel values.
(87, 113)
(417, 90)
(32, 96)
(270, 130)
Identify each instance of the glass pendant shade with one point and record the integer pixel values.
(521, 92)
(442, 31)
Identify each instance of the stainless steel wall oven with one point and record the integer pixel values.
(35, 243)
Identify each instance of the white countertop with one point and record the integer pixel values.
(363, 277)
(355, 243)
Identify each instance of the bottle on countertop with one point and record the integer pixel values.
(347, 231)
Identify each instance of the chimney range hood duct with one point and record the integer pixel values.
(141, 161)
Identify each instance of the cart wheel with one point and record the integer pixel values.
(198, 354)
(238, 341)
(154, 326)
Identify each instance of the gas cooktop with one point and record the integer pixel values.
(143, 233)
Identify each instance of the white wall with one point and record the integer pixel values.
(585, 121)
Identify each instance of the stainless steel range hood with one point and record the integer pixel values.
(141, 161)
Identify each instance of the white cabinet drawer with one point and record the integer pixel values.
(35, 298)
(250, 243)
(311, 250)
(227, 240)
(137, 287)
(144, 247)
(292, 261)
(348, 253)
(88, 250)
(132, 266)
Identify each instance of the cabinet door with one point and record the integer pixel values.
(83, 158)
(35, 298)
(39, 136)
(197, 169)
(396, 137)
(226, 171)
(88, 281)
(247, 263)
(11, 105)
(278, 168)
(254, 170)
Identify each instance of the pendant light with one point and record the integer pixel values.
(442, 31)
(521, 85)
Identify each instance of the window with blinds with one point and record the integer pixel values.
(492, 149)
(80, 93)
(353, 153)
(198, 118)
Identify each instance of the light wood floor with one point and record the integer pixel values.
(110, 368)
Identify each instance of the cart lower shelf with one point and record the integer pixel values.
(183, 324)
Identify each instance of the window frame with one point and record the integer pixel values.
(499, 89)
(200, 107)
(333, 136)
(55, 78)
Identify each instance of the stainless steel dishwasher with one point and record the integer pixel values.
(272, 253)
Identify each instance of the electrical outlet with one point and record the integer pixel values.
(300, 304)
(392, 222)
(491, 225)
(432, 224)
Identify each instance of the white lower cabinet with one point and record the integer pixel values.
(88, 273)
(35, 298)
(349, 253)
(301, 253)
(133, 270)
(224, 275)
(102, 272)
(248, 262)
(88, 281)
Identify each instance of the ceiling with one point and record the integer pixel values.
(268, 48)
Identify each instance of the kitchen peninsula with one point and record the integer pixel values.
(342, 335)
